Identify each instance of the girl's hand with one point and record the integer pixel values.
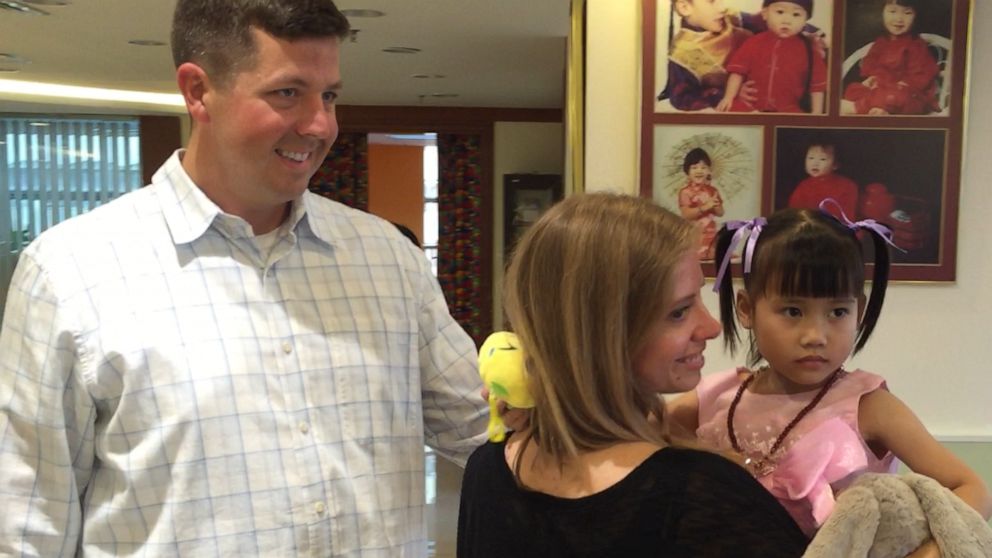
(887, 423)
(928, 549)
(724, 105)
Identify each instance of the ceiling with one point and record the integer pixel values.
(492, 53)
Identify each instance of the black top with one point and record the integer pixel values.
(678, 502)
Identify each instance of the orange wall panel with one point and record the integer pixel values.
(396, 184)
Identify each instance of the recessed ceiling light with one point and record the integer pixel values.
(398, 50)
(38, 124)
(362, 13)
(20, 7)
(145, 42)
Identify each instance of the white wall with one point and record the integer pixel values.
(933, 343)
(519, 148)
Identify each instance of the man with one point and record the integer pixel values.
(223, 363)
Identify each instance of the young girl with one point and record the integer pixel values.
(898, 72)
(699, 200)
(603, 294)
(803, 425)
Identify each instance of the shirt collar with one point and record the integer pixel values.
(189, 212)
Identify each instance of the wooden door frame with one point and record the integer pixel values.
(452, 120)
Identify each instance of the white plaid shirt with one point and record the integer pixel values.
(165, 389)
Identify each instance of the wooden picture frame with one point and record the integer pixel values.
(525, 198)
(900, 143)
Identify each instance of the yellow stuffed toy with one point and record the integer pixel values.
(501, 365)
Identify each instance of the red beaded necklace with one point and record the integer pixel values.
(764, 465)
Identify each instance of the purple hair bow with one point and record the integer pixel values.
(750, 229)
(878, 228)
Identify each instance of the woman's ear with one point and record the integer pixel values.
(745, 310)
(194, 86)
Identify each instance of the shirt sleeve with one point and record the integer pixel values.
(740, 60)
(870, 64)
(686, 92)
(921, 68)
(818, 81)
(455, 415)
(47, 421)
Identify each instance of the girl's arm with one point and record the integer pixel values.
(887, 421)
(733, 87)
(687, 208)
(717, 203)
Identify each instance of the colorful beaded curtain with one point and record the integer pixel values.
(460, 236)
(344, 175)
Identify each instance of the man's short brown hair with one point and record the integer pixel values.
(216, 34)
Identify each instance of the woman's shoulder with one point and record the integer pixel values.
(702, 465)
(717, 495)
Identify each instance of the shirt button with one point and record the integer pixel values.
(319, 508)
(287, 348)
(304, 427)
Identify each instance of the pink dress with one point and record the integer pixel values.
(822, 455)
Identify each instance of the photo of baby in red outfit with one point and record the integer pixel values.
(893, 176)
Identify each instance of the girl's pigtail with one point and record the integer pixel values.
(879, 284)
(881, 236)
(731, 234)
(725, 288)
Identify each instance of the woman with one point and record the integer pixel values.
(603, 293)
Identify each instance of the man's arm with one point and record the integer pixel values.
(46, 422)
(455, 415)
(686, 93)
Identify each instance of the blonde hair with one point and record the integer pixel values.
(585, 284)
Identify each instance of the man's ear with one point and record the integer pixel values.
(683, 7)
(745, 309)
(194, 85)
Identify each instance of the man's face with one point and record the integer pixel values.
(785, 19)
(709, 15)
(271, 125)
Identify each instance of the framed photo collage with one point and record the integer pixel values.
(750, 106)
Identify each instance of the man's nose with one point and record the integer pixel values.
(317, 119)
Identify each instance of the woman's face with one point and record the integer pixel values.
(672, 358)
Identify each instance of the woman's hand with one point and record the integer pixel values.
(514, 419)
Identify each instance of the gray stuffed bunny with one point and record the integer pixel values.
(889, 516)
